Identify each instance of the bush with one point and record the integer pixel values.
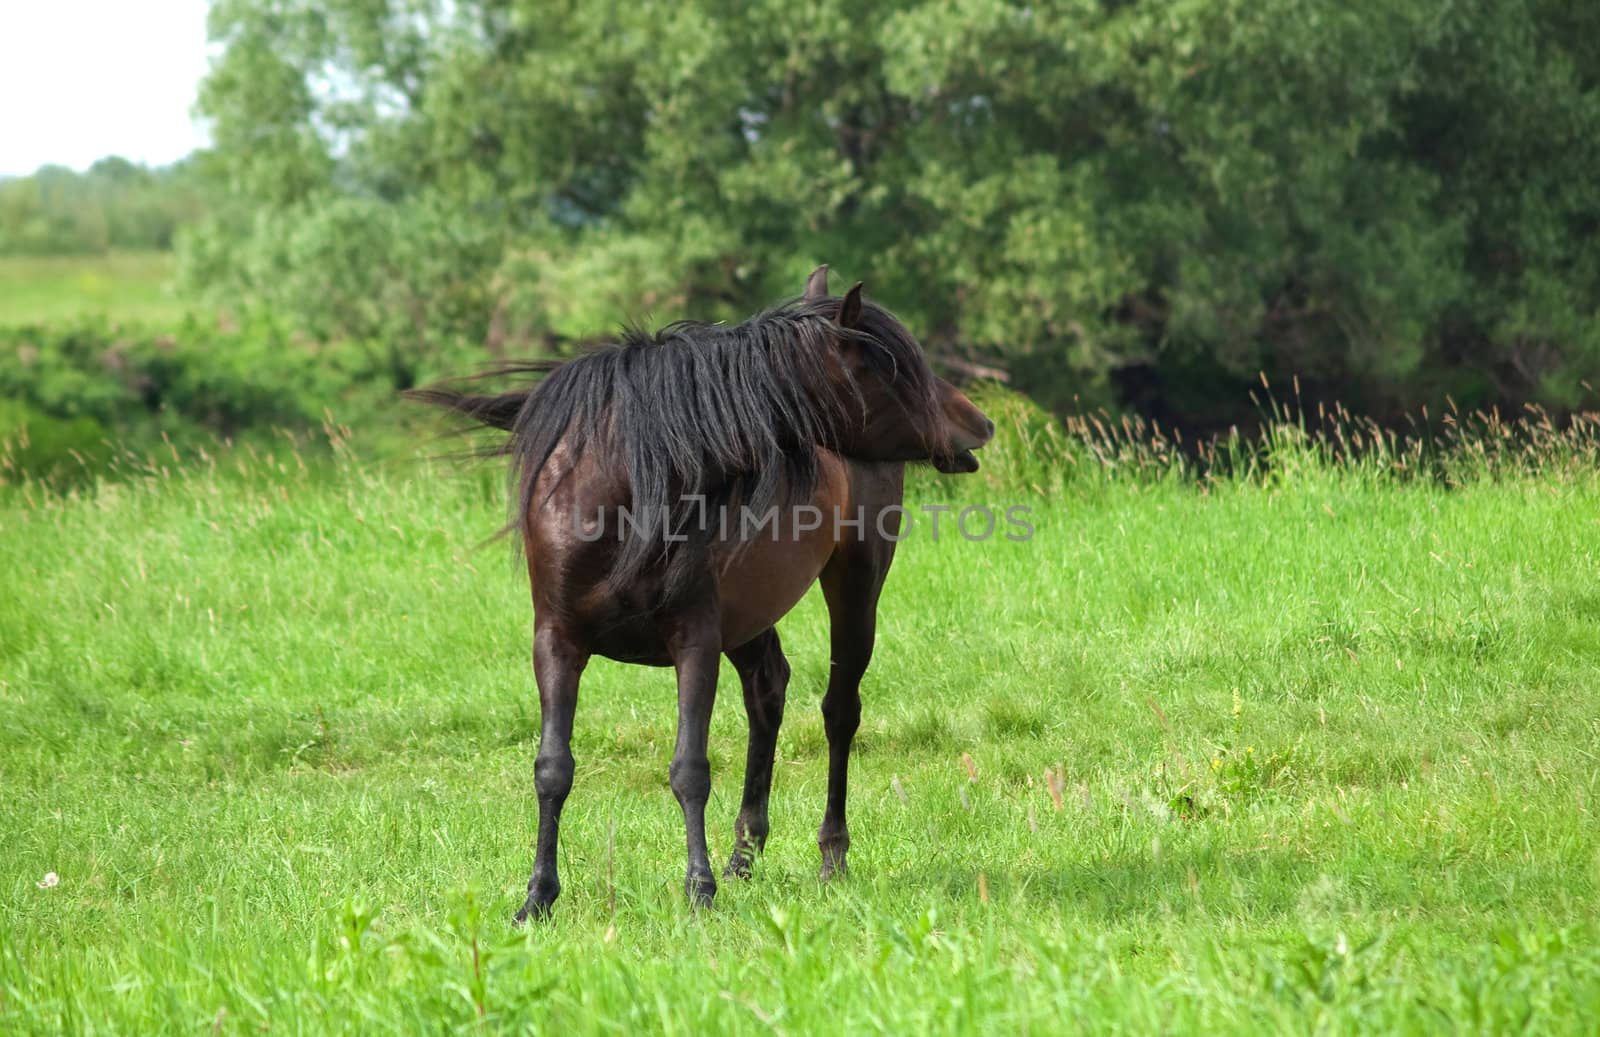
(88, 389)
(43, 447)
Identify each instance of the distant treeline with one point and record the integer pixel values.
(115, 204)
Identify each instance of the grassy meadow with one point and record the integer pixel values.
(123, 286)
(1305, 750)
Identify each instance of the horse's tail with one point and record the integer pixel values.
(533, 424)
(495, 410)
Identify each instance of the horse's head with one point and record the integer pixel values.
(905, 412)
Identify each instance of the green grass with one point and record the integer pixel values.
(132, 287)
(1315, 753)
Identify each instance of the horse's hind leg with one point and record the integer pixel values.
(557, 663)
(764, 675)
(696, 649)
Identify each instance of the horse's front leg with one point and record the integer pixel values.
(851, 583)
(695, 643)
(558, 661)
(764, 675)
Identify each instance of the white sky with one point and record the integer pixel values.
(82, 79)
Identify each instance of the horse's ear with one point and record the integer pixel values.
(850, 309)
(817, 283)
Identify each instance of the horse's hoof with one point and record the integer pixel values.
(833, 866)
(701, 890)
(541, 898)
(740, 866)
(538, 912)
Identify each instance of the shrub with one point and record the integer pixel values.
(90, 388)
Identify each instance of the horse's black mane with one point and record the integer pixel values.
(731, 413)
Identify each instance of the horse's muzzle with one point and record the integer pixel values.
(962, 462)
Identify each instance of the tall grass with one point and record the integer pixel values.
(1048, 455)
(1303, 744)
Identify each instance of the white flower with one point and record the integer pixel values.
(50, 880)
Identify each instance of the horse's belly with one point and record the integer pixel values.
(766, 581)
(756, 590)
(761, 583)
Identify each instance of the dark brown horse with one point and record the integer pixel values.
(678, 493)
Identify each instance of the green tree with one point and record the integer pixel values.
(1391, 198)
